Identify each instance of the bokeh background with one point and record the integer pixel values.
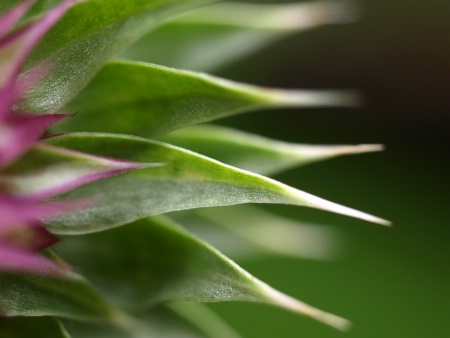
(391, 282)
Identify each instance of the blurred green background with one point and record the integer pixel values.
(391, 282)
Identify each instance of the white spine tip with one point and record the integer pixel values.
(286, 302)
(367, 148)
(343, 11)
(314, 98)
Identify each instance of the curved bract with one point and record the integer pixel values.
(185, 181)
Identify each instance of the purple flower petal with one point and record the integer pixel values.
(75, 182)
(8, 95)
(31, 78)
(17, 211)
(25, 210)
(61, 170)
(8, 20)
(92, 169)
(41, 239)
(19, 132)
(32, 237)
(22, 235)
(16, 260)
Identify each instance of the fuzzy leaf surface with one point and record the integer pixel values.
(68, 296)
(249, 232)
(212, 37)
(187, 180)
(36, 327)
(159, 322)
(255, 153)
(90, 33)
(174, 320)
(161, 262)
(146, 100)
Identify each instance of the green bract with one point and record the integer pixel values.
(185, 181)
(69, 296)
(212, 37)
(174, 267)
(152, 100)
(256, 153)
(90, 33)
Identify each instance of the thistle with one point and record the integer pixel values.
(22, 234)
(131, 263)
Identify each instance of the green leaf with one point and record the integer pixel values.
(248, 232)
(69, 296)
(37, 327)
(256, 153)
(153, 100)
(90, 33)
(206, 320)
(160, 262)
(187, 181)
(175, 320)
(158, 322)
(212, 37)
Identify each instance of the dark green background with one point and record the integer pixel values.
(391, 282)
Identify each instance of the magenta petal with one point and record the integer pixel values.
(42, 238)
(8, 96)
(17, 211)
(29, 37)
(16, 260)
(30, 79)
(102, 168)
(21, 210)
(32, 238)
(8, 20)
(19, 132)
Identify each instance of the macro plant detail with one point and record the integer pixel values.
(101, 179)
(22, 232)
